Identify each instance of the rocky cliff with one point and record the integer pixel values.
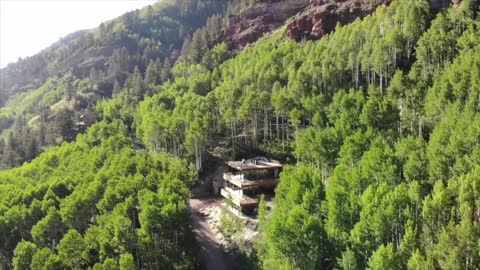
(258, 19)
(321, 16)
(309, 19)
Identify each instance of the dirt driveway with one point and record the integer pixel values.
(212, 252)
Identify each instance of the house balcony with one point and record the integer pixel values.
(241, 201)
(242, 183)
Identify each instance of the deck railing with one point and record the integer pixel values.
(241, 182)
(238, 200)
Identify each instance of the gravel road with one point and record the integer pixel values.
(212, 253)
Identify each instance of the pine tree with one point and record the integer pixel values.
(151, 74)
(42, 132)
(138, 86)
(102, 31)
(2, 146)
(116, 88)
(118, 62)
(198, 46)
(32, 150)
(186, 49)
(165, 73)
(11, 157)
(149, 15)
(262, 213)
(93, 77)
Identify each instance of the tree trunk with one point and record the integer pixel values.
(265, 125)
(288, 132)
(277, 127)
(255, 127)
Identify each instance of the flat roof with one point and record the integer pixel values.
(258, 163)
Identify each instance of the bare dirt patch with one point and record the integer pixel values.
(212, 251)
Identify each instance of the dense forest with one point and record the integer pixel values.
(379, 122)
(98, 203)
(48, 93)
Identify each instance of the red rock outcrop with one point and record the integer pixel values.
(321, 16)
(311, 19)
(259, 19)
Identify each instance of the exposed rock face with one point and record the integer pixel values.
(258, 19)
(311, 18)
(321, 16)
(81, 63)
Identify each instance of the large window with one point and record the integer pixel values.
(260, 175)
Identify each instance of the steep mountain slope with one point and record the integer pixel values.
(321, 17)
(382, 118)
(258, 19)
(379, 120)
(307, 19)
(154, 32)
(58, 87)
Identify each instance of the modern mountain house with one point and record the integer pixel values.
(246, 180)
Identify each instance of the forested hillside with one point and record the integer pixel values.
(379, 122)
(48, 93)
(97, 203)
(382, 116)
